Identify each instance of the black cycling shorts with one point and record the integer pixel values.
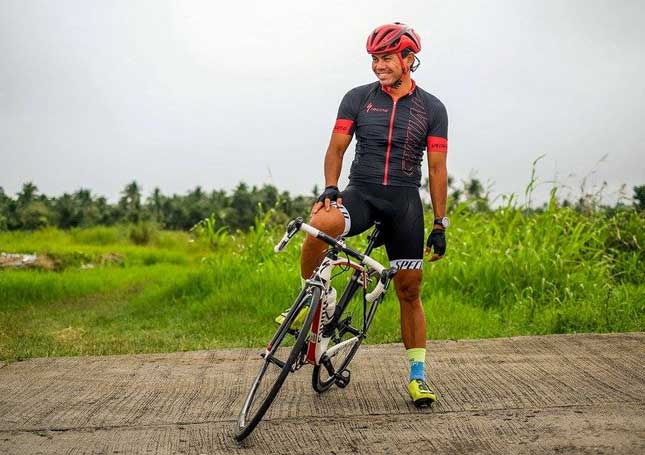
(401, 213)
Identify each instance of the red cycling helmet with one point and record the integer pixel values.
(393, 38)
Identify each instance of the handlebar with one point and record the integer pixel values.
(382, 285)
(293, 227)
(385, 274)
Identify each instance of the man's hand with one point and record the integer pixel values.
(331, 194)
(436, 241)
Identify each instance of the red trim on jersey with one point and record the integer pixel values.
(437, 144)
(343, 126)
(389, 144)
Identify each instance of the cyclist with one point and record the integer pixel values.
(394, 122)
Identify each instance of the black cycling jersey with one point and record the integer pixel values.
(391, 136)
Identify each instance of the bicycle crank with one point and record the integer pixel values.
(342, 378)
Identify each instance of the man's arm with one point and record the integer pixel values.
(438, 193)
(333, 164)
(438, 183)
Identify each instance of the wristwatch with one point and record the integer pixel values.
(445, 222)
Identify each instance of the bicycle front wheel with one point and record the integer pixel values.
(277, 362)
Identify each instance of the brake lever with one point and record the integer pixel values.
(293, 227)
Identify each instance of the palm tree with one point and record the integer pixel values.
(83, 197)
(639, 197)
(28, 194)
(130, 201)
(156, 203)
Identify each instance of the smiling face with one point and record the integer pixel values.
(387, 68)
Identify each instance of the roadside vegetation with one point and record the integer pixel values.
(139, 287)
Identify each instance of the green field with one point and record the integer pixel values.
(506, 273)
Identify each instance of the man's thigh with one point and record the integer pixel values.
(404, 233)
(356, 210)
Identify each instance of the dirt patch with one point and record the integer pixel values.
(46, 261)
(553, 394)
(28, 261)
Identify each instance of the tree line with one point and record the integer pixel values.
(31, 210)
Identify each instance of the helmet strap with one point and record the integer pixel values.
(404, 68)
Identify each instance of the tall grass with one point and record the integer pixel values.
(506, 272)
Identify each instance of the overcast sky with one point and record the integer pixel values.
(95, 94)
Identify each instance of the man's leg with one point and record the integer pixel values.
(413, 332)
(413, 321)
(313, 250)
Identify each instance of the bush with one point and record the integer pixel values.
(143, 233)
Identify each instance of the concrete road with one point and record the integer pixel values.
(551, 394)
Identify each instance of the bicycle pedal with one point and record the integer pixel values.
(343, 378)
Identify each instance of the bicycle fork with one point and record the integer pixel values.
(318, 342)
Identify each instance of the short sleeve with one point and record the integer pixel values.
(347, 113)
(438, 129)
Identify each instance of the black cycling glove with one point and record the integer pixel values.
(331, 193)
(437, 241)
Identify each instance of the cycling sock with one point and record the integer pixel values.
(417, 357)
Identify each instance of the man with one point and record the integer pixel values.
(394, 122)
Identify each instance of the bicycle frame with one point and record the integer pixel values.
(317, 345)
(311, 344)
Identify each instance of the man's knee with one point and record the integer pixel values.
(331, 223)
(408, 286)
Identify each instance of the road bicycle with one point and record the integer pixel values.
(331, 332)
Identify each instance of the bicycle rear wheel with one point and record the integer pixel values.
(346, 338)
(273, 371)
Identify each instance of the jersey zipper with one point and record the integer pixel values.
(389, 143)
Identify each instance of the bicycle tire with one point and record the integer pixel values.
(321, 380)
(247, 423)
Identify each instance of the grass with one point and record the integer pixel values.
(506, 273)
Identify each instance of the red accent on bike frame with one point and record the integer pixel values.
(311, 347)
(437, 144)
(343, 126)
(389, 143)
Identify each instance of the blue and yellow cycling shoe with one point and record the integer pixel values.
(421, 393)
(299, 319)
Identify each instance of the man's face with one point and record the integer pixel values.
(387, 68)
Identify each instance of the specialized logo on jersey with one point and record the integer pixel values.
(437, 144)
(371, 107)
(414, 136)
